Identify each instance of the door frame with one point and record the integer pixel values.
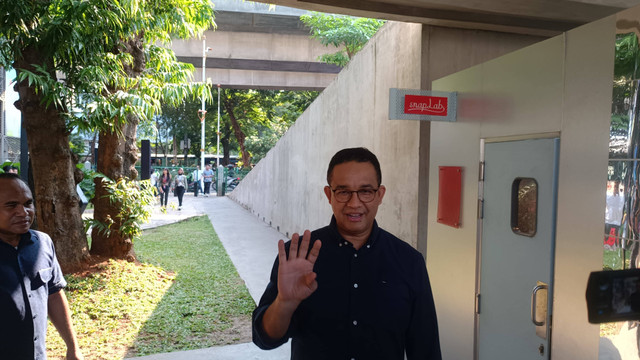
(479, 229)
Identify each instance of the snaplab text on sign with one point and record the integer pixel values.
(407, 104)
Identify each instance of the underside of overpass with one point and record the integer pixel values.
(532, 17)
(259, 47)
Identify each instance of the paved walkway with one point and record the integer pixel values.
(252, 247)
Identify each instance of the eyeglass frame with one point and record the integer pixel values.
(375, 191)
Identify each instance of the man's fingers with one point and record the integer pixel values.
(315, 250)
(299, 248)
(293, 249)
(304, 246)
(282, 256)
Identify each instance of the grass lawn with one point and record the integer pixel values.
(612, 259)
(184, 294)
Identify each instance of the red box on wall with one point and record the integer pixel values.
(450, 195)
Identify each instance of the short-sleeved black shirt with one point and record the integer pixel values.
(28, 275)
(371, 303)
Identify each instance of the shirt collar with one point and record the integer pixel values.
(333, 226)
(25, 239)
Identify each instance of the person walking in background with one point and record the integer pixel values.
(195, 176)
(31, 281)
(153, 180)
(165, 186)
(180, 186)
(207, 176)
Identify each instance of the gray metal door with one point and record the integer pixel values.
(517, 249)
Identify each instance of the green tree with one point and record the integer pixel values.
(282, 109)
(149, 69)
(256, 112)
(347, 33)
(175, 123)
(262, 116)
(113, 74)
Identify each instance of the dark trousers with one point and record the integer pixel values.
(196, 187)
(179, 190)
(164, 196)
(207, 186)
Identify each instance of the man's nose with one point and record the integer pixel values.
(23, 210)
(354, 200)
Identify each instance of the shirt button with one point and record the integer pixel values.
(35, 316)
(355, 322)
(355, 255)
(368, 246)
(355, 286)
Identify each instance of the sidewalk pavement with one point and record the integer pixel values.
(252, 247)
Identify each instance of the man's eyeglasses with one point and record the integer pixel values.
(365, 195)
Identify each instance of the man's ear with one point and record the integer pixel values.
(327, 192)
(381, 191)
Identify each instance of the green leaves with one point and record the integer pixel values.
(626, 65)
(347, 33)
(84, 59)
(136, 199)
(627, 56)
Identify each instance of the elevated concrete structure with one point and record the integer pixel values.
(285, 188)
(533, 17)
(353, 111)
(561, 86)
(572, 73)
(258, 48)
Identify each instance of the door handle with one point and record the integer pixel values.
(534, 295)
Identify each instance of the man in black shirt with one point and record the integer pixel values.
(365, 295)
(31, 281)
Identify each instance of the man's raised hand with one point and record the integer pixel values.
(296, 279)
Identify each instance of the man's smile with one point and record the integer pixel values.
(354, 217)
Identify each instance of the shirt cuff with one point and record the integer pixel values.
(260, 338)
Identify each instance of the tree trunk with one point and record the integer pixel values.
(54, 173)
(226, 152)
(117, 158)
(92, 154)
(240, 136)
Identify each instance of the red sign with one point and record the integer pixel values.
(426, 105)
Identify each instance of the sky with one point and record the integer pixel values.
(11, 113)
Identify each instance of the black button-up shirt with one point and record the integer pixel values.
(28, 275)
(371, 303)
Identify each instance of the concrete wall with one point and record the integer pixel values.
(446, 51)
(353, 111)
(285, 188)
(562, 85)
